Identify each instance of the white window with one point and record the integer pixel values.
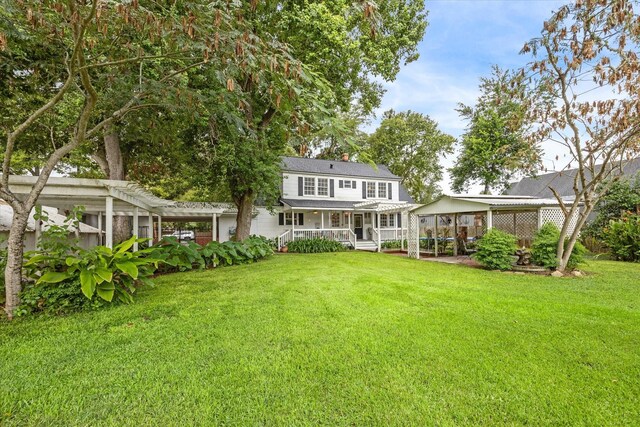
(287, 218)
(347, 184)
(383, 220)
(335, 219)
(309, 186)
(382, 190)
(323, 187)
(392, 220)
(371, 190)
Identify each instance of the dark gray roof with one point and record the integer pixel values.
(562, 182)
(336, 167)
(404, 195)
(320, 204)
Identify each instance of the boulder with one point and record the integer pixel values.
(557, 274)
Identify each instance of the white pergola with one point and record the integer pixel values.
(382, 207)
(510, 209)
(109, 198)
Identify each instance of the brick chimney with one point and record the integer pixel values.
(345, 157)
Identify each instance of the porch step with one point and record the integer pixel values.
(366, 245)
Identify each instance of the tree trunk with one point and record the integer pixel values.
(244, 203)
(15, 251)
(115, 164)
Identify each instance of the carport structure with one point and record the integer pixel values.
(108, 198)
(460, 216)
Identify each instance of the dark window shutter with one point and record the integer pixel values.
(340, 184)
(300, 186)
(332, 192)
(364, 189)
(389, 192)
(399, 222)
(300, 219)
(353, 185)
(281, 218)
(375, 220)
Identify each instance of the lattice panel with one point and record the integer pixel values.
(413, 242)
(522, 224)
(556, 216)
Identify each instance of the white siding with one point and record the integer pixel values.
(290, 188)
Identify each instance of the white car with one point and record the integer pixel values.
(184, 235)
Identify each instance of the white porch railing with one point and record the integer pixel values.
(284, 239)
(387, 234)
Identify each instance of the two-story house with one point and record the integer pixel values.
(355, 203)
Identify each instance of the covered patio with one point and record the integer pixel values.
(452, 224)
(105, 199)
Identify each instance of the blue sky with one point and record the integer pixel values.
(464, 38)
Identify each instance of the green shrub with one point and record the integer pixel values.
(623, 238)
(59, 282)
(496, 250)
(391, 244)
(309, 246)
(177, 256)
(545, 245)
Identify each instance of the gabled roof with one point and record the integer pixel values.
(336, 167)
(463, 203)
(562, 182)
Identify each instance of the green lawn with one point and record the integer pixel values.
(337, 339)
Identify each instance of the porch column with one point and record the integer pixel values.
(489, 220)
(214, 228)
(38, 231)
(455, 233)
(109, 222)
(435, 240)
(349, 217)
(150, 228)
(322, 220)
(135, 228)
(159, 228)
(379, 229)
(100, 229)
(402, 221)
(293, 224)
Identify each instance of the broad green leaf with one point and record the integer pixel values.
(104, 273)
(87, 283)
(53, 277)
(129, 268)
(106, 290)
(71, 261)
(126, 245)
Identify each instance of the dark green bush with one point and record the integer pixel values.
(496, 250)
(623, 238)
(309, 246)
(59, 282)
(545, 245)
(177, 256)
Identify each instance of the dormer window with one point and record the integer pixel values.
(309, 186)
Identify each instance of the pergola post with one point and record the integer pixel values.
(214, 228)
(150, 228)
(135, 231)
(455, 233)
(435, 240)
(402, 233)
(159, 228)
(489, 220)
(100, 242)
(379, 229)
(109, 222)
(349, 217)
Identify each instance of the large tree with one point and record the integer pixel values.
(493, 148)
(73, 52)
(340, 50)
(411, 145)
(586, 62)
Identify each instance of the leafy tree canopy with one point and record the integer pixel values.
(411, 145)
(493, 149)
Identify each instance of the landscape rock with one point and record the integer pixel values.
(577, 273)
(557, 274)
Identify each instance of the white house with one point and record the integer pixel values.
(356, 203)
